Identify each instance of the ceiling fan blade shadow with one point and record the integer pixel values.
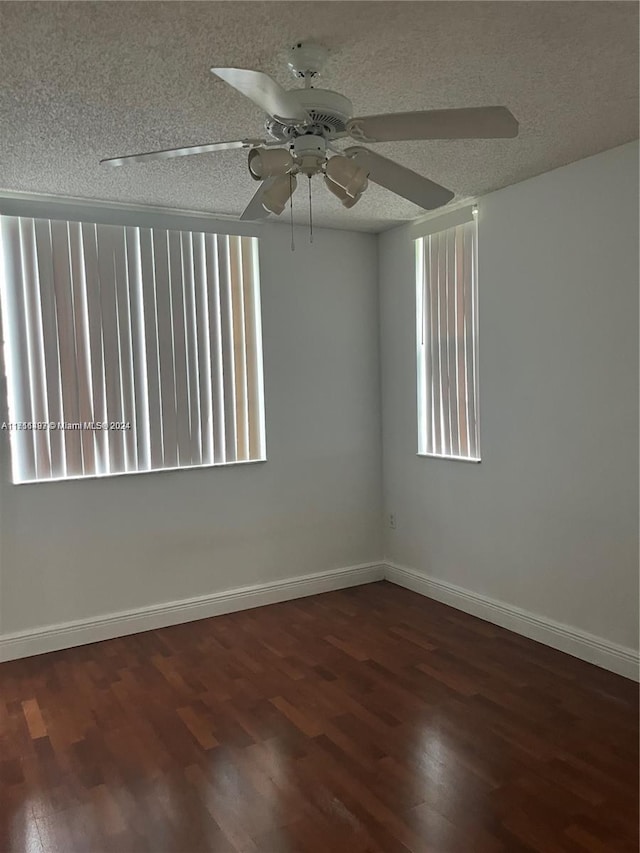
(471, 123)
(400, 180)
(168, 153)
(264, 92)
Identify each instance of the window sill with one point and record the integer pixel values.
(449, 458)
(79, 477)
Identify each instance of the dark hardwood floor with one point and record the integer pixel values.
(369, 719)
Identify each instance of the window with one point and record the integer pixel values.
(447, 325)
(129, 349)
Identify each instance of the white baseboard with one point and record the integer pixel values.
(619, 659)
(82, 631)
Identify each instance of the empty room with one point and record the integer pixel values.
(319, 432)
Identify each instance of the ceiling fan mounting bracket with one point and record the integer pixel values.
(306, 60)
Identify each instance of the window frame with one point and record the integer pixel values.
(16, 205)
(428, 229)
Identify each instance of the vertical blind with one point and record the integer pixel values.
(129, 349)
(447, 324)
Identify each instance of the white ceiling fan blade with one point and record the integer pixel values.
(400, 180)
(265, 92)
(472, 123)
(181, 152)
(255, 210)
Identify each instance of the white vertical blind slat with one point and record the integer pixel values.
(452, 343)
(469, 338)
(165, 349)
(253, 349)
(445, 400)
(50, 342)
(463, 378)
(123, 317)
(240, 348)
(191, 338)
(228, 348)
(179, 348)
(107, 236)
(436, 382)
(96, 352)
(421, 338)
(34, 339)
(430, 390)
(15, 348)
(204, 257)
(83, 353)
(67, 345)
(255, 326)
(140, 418)
(148, 296)
(471, 235)
(215, 350)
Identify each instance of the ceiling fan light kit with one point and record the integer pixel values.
(303, 124)
(275, 198)
(347, 200)
(269, 163)
(348, 175)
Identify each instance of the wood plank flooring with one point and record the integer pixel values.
(369, 720)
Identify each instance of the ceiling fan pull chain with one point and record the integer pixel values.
(293, 245)
(310, 214)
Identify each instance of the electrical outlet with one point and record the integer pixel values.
(392, 520)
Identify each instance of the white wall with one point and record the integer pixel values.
(82, 549)
(548, 521)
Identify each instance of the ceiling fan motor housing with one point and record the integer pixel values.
(329, 112)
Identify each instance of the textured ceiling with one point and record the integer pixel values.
(81, 81)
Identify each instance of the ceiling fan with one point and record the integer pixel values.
(303, 125)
